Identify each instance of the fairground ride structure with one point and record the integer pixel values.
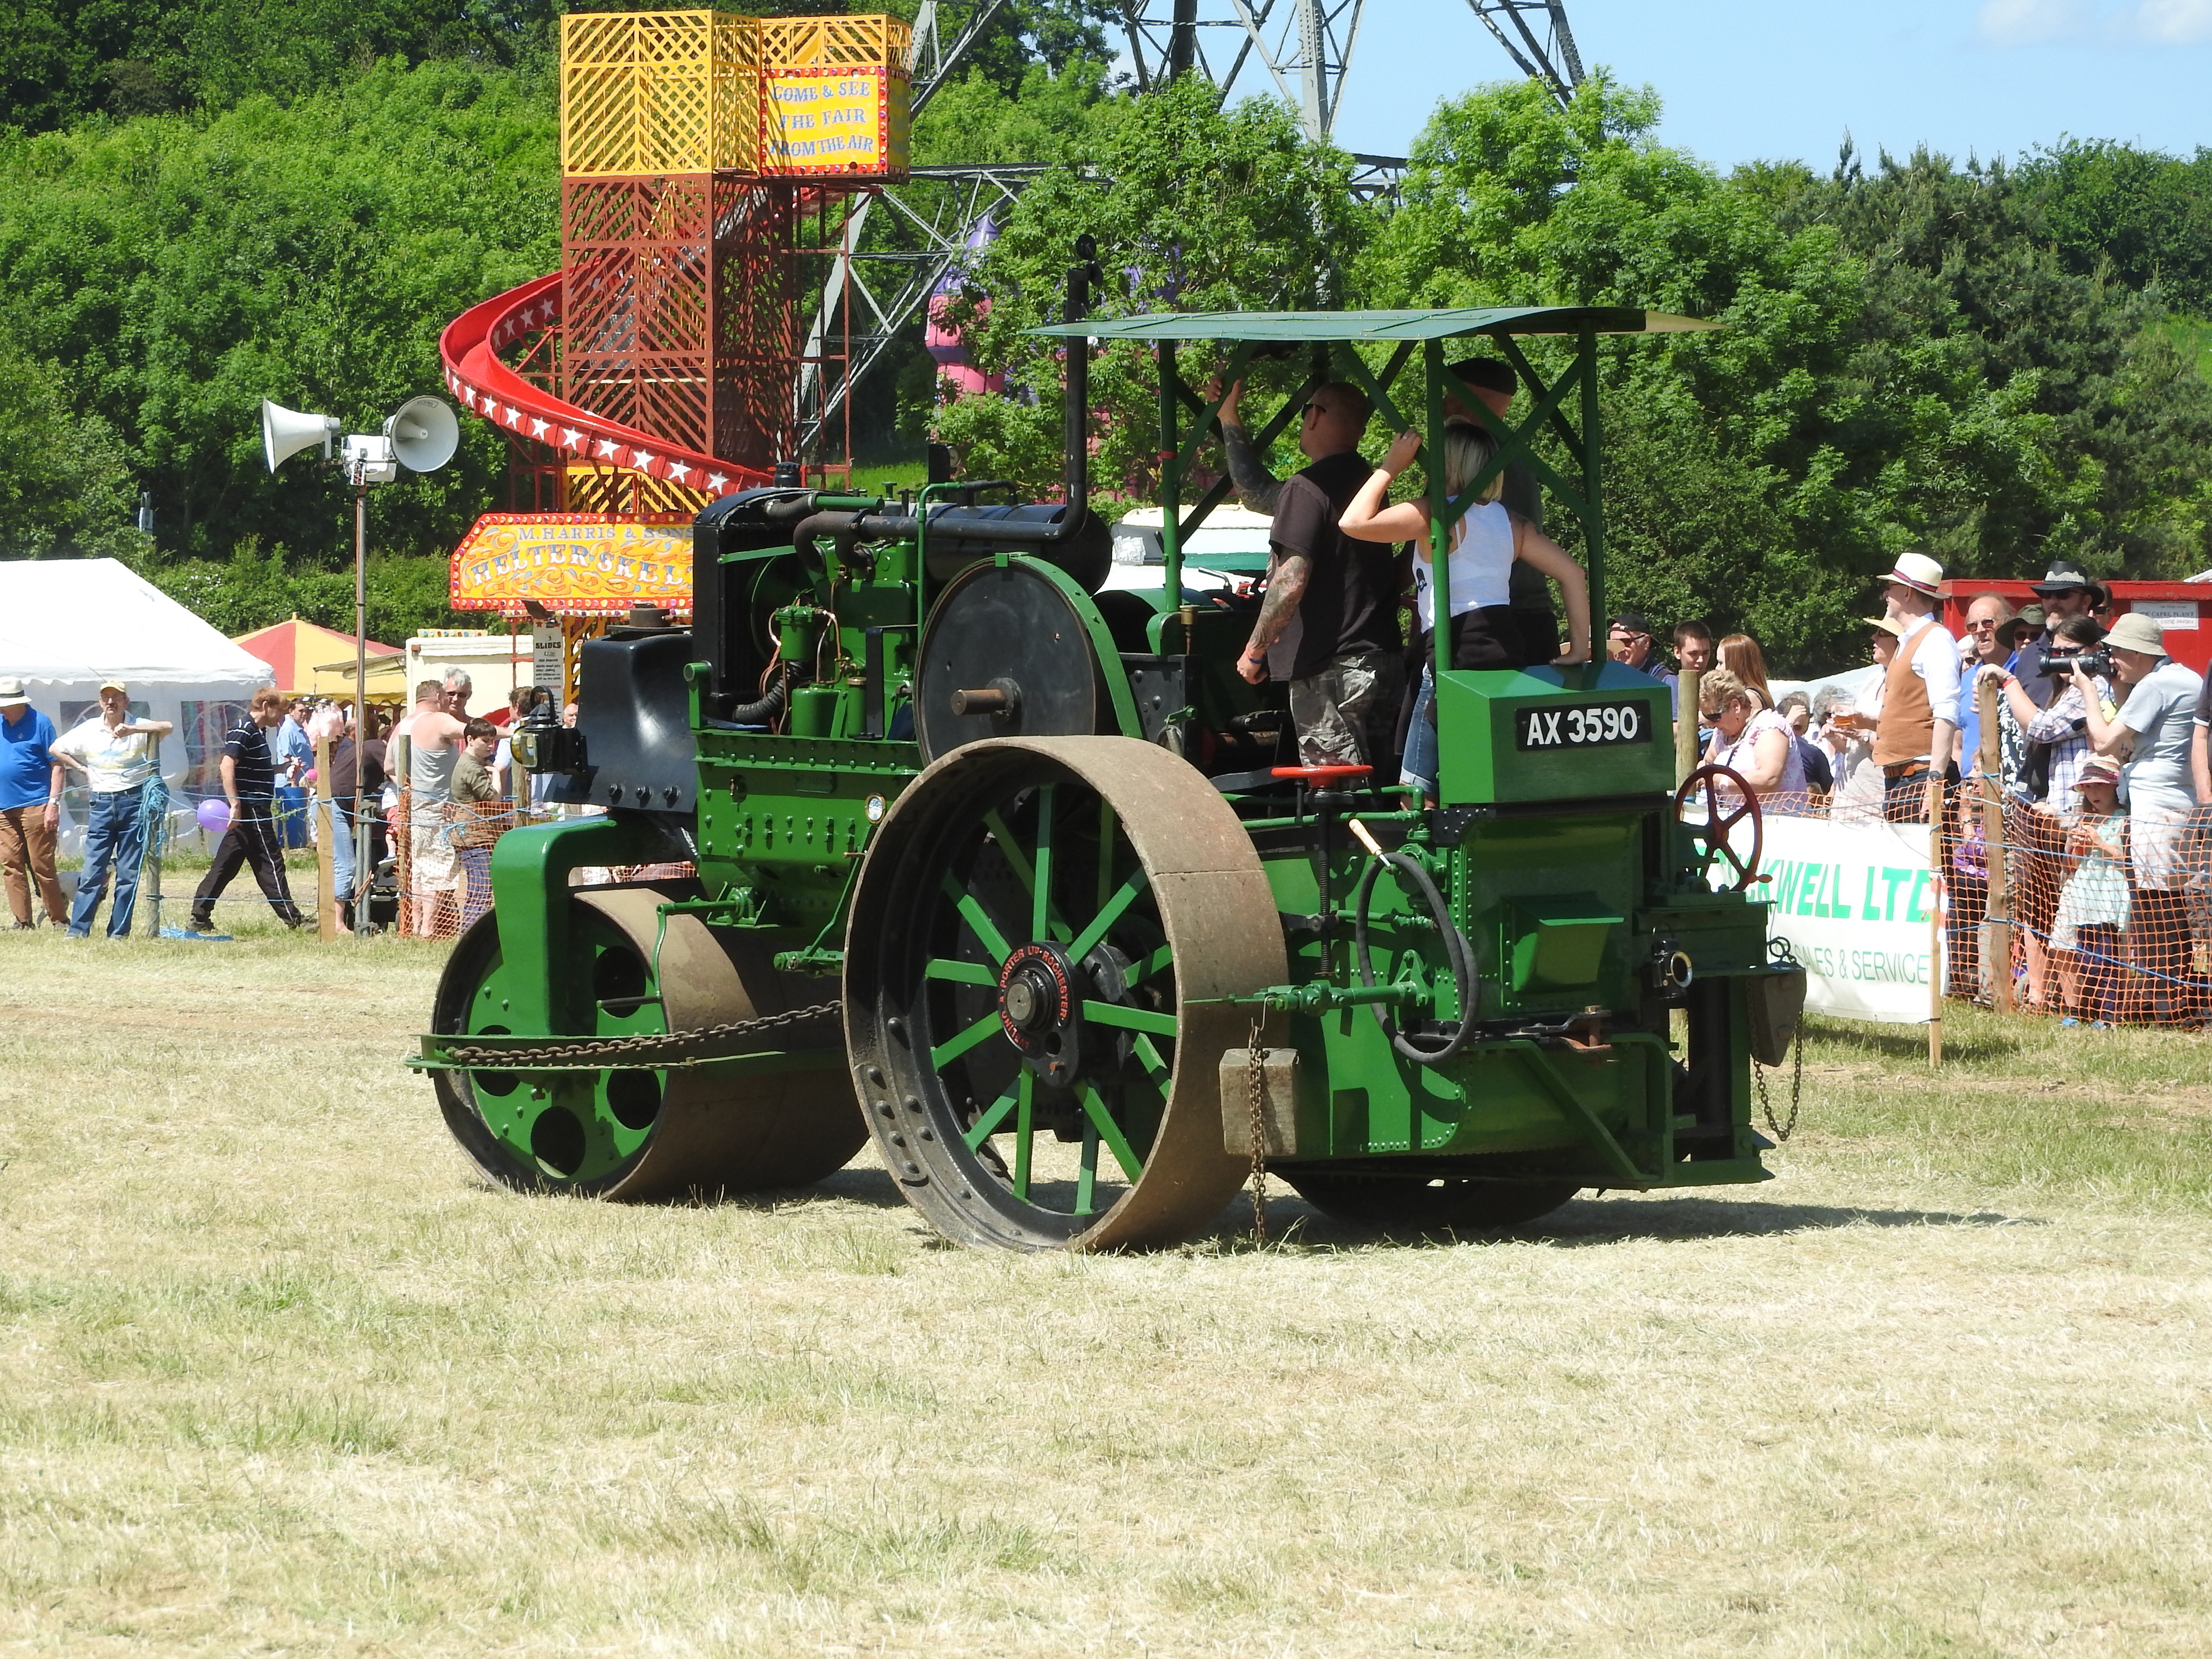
(668, 361)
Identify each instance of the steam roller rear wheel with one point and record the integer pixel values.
(1423, 1204)
(643, 1133)
(1038, 945)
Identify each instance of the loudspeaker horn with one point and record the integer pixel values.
(286, 432)
(424, 433)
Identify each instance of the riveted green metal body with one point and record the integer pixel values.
(1032, 837)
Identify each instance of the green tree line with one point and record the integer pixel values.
(201, 204)
(1916, 355)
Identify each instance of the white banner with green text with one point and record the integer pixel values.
(1856, 903)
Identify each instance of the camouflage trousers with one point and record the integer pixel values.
(1346, 711)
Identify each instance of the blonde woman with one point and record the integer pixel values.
(1740, 654)
(1485, 542)
(1752, 741)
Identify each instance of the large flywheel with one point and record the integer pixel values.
(638, 1131)
(1043, 935)
(1012, 650)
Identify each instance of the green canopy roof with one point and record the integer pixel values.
(1328, 325)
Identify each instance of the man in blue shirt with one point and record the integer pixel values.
(30, 806)
(294, 752)
(1991, 651)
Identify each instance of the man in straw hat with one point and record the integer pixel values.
(115, 755)
(30, 806)
(1919, 695)
(2154, 733)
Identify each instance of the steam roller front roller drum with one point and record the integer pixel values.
(1040, 944)
(642, 1132)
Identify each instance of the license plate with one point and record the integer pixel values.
(1582, 725)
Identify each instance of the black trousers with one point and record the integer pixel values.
(251, 839)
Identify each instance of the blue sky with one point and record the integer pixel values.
(1745, 81)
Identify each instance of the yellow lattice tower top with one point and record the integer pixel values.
(663, 92)
(876, 42)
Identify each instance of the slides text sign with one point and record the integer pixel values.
(1855, 901)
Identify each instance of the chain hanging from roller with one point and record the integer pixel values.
(1782, 1131)
(658, 1048)
(1256, 1087)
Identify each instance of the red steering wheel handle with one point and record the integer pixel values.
(1713, 836)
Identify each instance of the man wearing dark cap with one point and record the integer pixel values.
(2065, 590)
(1628, 642)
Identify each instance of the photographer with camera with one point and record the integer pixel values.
(2057, 747)
(2153, 735)
(2058, 735)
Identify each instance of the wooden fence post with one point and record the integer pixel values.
(1686, 724)
(326, 831)
(1996, 933)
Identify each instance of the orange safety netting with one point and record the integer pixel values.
(443, 861)
(2047, 911)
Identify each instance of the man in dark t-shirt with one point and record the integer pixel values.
(1329, 623)
(249, 779)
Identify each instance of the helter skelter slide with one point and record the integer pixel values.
(706, 160)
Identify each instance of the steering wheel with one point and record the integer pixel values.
(1714, 838)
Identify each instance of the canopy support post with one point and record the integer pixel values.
(1440, 523)
(1170, 478)
(1592, 498)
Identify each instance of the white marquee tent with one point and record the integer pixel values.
(67, 624)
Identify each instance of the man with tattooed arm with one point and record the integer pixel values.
(1328, 624)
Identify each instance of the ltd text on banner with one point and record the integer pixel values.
(1855, 902)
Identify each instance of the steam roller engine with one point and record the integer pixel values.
(1020, 878)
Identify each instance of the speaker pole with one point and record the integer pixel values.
(361, 837)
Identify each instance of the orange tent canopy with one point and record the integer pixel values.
(293, 649)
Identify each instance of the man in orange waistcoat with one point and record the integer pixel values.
(1920, 696)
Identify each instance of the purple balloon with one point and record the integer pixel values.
(214, 815)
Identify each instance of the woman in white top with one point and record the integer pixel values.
(1485, 542)
(1752, 741)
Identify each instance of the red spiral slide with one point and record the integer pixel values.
(471, 346)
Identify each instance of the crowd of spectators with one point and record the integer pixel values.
(459, 766)
(2097, 747)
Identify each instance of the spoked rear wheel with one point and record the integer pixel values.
(1042, 937)
(1425, 1204)
(638, 1131)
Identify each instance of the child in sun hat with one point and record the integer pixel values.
(2093, 906)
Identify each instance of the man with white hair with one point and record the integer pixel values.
(1919, 697)
(455, 702)
(1988, 651)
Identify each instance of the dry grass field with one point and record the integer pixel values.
(277, 1377)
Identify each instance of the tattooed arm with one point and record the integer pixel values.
(1257, 489)
(1284, 589)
